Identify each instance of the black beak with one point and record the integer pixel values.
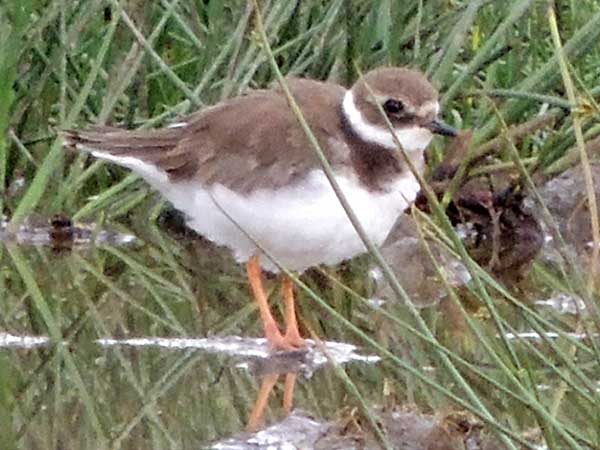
(436, 126)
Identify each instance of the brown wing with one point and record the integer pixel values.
(245, 143)
(255, 141)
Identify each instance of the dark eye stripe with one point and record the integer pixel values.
(406, 119)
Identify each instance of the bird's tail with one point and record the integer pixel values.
(146, 152)
(115, 143)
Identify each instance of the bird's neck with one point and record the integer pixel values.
(413, 139)
(377, 167)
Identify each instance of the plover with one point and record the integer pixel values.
(245, 164)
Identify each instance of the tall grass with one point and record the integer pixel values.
(141, 64)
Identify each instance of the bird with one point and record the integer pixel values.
(245, 176)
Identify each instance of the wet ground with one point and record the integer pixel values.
(144, 337)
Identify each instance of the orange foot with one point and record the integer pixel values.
(291, 340)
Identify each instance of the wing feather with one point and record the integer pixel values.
(245, 143)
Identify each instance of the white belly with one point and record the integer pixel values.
(302, 225)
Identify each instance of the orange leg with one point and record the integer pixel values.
(292, 334)
(288, 392)
(257, 415)
(258, 412)
(272, 333)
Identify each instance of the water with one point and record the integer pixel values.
(146, 338)
(157, 341)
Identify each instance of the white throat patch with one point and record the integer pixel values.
(412, 139)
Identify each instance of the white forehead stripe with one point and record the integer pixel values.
(412, 139)
(430, 107)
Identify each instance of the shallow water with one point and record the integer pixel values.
(155, 343)
(146, 338)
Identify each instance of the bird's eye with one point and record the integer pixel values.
(393, 106)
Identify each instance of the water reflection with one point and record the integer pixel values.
(249, 354)
(60, 232)
(256, 356)
(11, 341)
(181, 392)
(563, 303)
